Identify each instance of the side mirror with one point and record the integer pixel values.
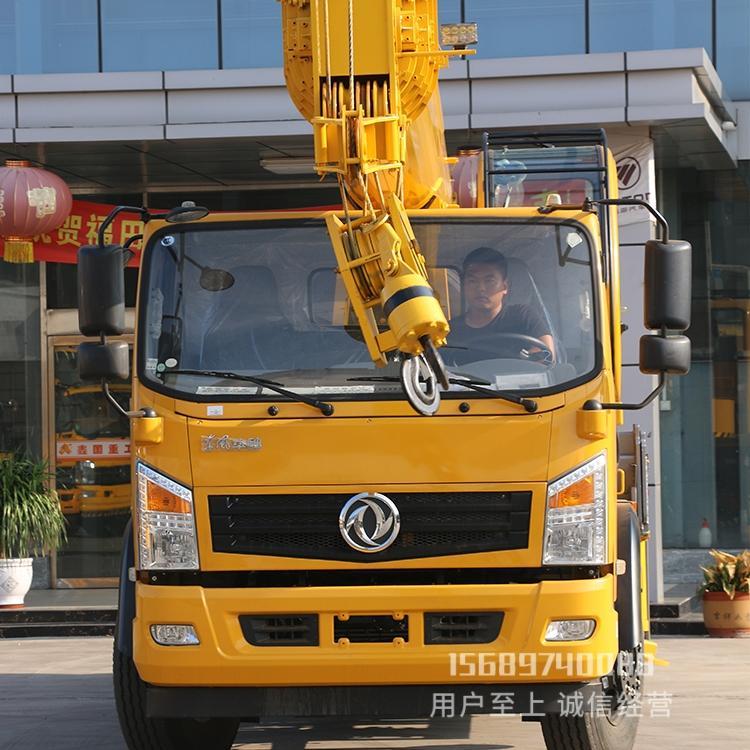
(101, 290)
(667, 288)
(665, 355)
(110, 361)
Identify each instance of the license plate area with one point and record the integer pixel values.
(370, 628)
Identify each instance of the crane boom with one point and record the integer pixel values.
(365, 74)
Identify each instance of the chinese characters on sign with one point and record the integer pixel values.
(79, 449)
(81, 227)
(454, 705)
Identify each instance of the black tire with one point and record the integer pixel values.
(588, 732)
(143, 733)
(603, 729)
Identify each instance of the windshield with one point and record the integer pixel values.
(264, 300)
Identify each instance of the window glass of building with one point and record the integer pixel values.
(517, 28)
(251, 34)
(48, 36)
(733, 46)
(449, 11)
(623, 25)
(166, 35)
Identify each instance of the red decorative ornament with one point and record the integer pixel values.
(32, 201)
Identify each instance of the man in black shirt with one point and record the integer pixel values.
(485, 286)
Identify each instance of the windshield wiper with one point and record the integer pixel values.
(478, 385)
(324, 408)
(474, 384)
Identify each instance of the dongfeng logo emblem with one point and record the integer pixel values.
(369, 522)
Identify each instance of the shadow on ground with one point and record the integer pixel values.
(416, 734)
(70, 712)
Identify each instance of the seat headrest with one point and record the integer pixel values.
(254, 294)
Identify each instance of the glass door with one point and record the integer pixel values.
(90, 452)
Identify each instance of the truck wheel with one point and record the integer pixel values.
(143, 733)
(589, 732)
(600, 730)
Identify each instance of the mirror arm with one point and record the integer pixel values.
(594, 405)
(129, 254)
(129, 414)
(660, 220)
(144, 213)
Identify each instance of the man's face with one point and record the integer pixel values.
(484, 287)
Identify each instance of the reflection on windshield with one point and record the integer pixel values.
(519, 298)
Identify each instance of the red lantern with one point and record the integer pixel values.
(32, 201)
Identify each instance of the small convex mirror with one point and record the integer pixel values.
(216, 279)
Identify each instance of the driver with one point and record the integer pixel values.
(485, 286)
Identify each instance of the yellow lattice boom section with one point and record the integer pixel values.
(389, 51)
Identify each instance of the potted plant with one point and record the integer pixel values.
(31, 522)
(726, 595)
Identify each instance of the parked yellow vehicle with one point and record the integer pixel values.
(92, 453)
(347, 502)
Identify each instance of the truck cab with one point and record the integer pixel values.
(304, 544)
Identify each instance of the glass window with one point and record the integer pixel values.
(528, 27)
(20, 367)
(92, 466)
(275, 287)
(649, 24)
(528, 176)
(48, 36)
(449, 11)
(7, 36)
(167, 35)
(705, 416)
(733, 46)
(251, 34)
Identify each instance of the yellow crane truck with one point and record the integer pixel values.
(349, 498)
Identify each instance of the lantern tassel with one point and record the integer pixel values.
(18, 250)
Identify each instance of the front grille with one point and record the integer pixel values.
(371, 628)
(462, 627)
(103, 475)
(108, 475)
(280, 630)
(432, 524)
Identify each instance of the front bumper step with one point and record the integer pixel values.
(448, 701)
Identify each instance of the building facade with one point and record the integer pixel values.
(153, 103)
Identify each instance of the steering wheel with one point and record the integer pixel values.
(490, 344)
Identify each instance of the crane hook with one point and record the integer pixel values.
(420, 384)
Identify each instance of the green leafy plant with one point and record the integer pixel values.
(729, 573)
(30, 517)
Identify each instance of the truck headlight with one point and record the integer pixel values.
(576, 522)
(166, 526)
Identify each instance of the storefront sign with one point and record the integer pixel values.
(82, 228)
(74, 450)
(635, 160)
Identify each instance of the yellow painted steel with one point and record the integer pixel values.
(369, 446)
(225, 658)
(393, 115)
(365, 74)
(147, 430)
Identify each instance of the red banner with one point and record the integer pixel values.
(82, 228)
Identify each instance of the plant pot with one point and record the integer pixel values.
(725, 617)
(15, 581)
